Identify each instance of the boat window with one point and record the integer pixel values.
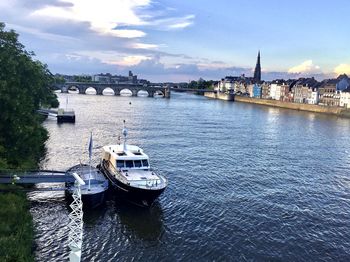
(144, 162)
(137, 163)
(129, 163)
(120, 163)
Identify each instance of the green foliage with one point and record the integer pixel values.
(201, 84)
(58, 79)
(16, 228)
(24, 87)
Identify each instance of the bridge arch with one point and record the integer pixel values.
(108, 92)
(125, 92)
(73, 89)
(142, 93)
(90, 90)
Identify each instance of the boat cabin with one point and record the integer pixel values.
(131, 158)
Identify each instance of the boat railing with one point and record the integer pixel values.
(153, 182)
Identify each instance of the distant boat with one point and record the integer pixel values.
(128, 169)
(93, 193)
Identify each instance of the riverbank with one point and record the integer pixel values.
(338, 111)
(221, 96)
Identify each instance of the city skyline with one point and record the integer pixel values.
(184, 40)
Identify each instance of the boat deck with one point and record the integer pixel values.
(139, 175)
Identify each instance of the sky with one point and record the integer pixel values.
(183, 40)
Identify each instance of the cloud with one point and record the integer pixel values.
(144, 46)
(114, 18)
(307, 67)
(342, 69)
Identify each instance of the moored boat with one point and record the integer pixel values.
(93, 193)
(128, 169)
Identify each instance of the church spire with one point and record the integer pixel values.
(257, 71)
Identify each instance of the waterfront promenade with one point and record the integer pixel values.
(338, 111)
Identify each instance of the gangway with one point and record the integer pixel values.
(35, 177)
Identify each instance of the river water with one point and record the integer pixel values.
(246, 182)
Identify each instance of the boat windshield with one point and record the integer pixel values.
(137, 163)
(132, 163)
(129, 163)
(120, 163)
(144, 162)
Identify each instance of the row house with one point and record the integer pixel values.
(279, 89)
(250, 90)
(305, 91)
(345, 98)
(236, 83)
(265, 90)
(225, 85)
(331, 89)
(257, 91)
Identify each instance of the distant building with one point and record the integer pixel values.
(330, 90)
(265, 90)
(102, 78)
(257, 71)
(303, 89)
(116, 79)
(257, 90)
(250, 88)
(345, 98)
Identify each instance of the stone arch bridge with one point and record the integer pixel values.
(99, 87)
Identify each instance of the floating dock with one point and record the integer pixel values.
(63, 115)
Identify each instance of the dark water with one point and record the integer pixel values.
(247, 183)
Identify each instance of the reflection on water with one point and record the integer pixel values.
(246, 182)
(140, 223)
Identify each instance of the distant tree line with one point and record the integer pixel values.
(201, 84)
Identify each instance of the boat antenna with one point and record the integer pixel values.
(125, 133)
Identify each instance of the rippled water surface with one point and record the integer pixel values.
(247, 182)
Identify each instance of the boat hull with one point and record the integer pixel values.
(93, 200)
(138, 196)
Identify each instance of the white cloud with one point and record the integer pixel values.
(104, 16)
(126, 33)
(110, 17)
(144, 46)
(112, 57)
(342, 69)
(306, 67)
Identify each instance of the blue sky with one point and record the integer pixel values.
(183, 40)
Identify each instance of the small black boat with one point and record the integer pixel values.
(93, 193)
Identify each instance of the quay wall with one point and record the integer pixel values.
(221, 96)
(296, 106)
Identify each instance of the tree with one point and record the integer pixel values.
(24, 87)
